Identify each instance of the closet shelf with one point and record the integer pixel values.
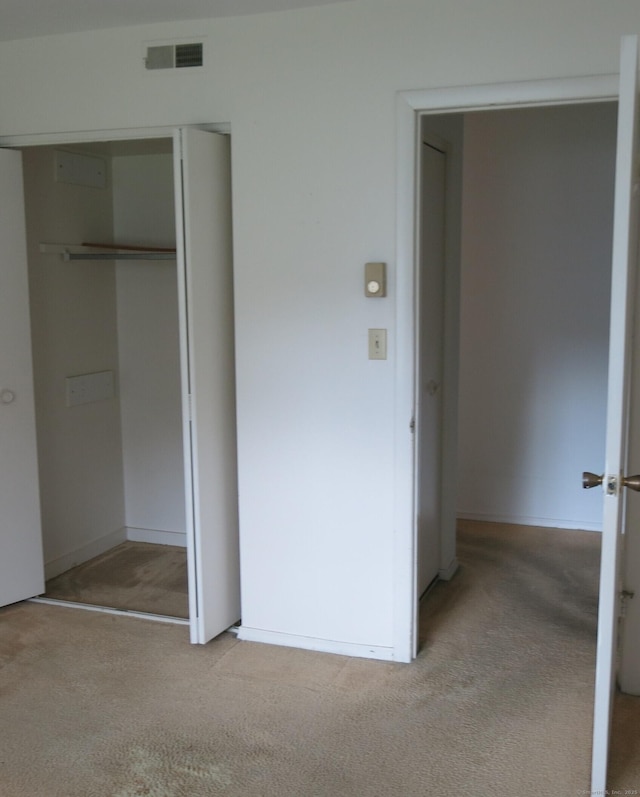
(99, 251)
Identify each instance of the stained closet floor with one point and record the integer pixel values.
(136, 576)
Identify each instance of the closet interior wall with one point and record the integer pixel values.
(109, 470)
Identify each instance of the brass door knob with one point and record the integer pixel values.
(591, 480)
(632, 482)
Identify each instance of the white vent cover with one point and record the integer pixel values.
(174, 56)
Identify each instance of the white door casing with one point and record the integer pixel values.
(21, 563)
(411, 106)
(623, 268)
(205, 284)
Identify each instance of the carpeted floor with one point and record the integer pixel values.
(136, 576)
(498, 702)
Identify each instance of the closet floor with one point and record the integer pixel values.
(134, 576)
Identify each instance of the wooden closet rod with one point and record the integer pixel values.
(124, 252)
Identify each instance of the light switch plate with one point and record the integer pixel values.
(377, 344)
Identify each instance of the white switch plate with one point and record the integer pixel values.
(377, 344)
(87, 388)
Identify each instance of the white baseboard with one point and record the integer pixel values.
(82, 554)
(312, 643)
(448, 572)
(524, 520)
(156, 536)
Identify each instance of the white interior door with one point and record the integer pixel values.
(205, 279)
(624, 265)
(21, 564)
(429, 381)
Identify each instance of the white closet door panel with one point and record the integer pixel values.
(206, 284)
(21, 565)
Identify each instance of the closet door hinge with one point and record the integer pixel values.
(189, 407)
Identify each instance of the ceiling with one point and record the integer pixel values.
(22, 19)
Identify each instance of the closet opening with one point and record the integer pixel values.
(106, 354)
(130, 304)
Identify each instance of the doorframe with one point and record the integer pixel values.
(70, 137)
(411, 106)
(96, 136)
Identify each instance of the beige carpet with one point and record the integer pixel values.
(136, 576)
(498, 703)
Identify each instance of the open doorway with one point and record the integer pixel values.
(529, 214)
(537, 225)
(535, 200)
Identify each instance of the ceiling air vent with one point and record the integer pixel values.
(174, 56)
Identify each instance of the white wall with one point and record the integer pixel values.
(73, 319)
(536, 266)
(149, 356)
(310, 96)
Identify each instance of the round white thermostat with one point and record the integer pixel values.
(373, 286)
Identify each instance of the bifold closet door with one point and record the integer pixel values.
(205, 279)
(21, 564)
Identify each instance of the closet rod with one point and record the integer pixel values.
(97, 251)
(119, 256)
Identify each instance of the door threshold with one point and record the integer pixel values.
(90, 607)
